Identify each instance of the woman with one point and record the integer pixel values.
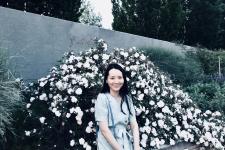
(114, 112)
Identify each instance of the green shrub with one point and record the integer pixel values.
(184, 68)
(208, 96)
(210, 61)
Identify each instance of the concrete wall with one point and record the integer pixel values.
(35, 43)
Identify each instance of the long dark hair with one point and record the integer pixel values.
(124, 89)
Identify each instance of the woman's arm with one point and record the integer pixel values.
(106, 132)
(135, 131)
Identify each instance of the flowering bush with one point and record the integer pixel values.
(61, 105)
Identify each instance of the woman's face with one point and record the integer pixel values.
(115, 80)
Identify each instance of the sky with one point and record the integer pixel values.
(104, 8)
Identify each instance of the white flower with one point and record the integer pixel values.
(88, 129)
(68, 115)
(43, 96)
(161, 104)
(72, 110)
(57, 113)
(206, 143)
(143, 57)
(104, 46)
(174, 121)
(79, 64)
(144, 136)
(78, 91)
(34, 130)
(153, 143)
(136, 55)
(143, 142)
(152, 102)
(86, 65)
(42, 119)
(92, 109)
(28, 105)
(73, 99)
(208, 136)
(59, 85)
(17, 79)
(96, 57)
(125, 54)
(70, 91)
(88, 147)
(64, 67)
(133, 92)
(154, 124)
(217, 113)
(140, 97)
(32, 99)
(72, 143)
(105, 57)
(159, 115)
(172, 142)
(90, 124)
(160, 123)
(42, 84)
(208, 112)
(81, 141)
(154, 132)
(27, 133)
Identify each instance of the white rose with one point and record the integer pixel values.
(96, 57)
(32, 99)
(78, 91)
(28, 105)
(161, 104)
(27, 133)
(172, 142)
(143, 57)
(73, 99)
(105, 56)
(81, 141)
(88, 129)
(72, 143)
(43, 97)
(136, 55)
(68, 115)
(152, 102)
(42, 119)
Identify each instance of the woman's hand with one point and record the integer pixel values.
(135, 131)
(106, 132)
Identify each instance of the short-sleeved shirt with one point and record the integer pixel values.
(121, 120)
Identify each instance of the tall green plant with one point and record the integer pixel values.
(10, 99)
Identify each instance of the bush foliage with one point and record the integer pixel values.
(61, 105)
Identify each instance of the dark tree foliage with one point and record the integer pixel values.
(204, 23)
(172, 20)
(63, 9)
(192, 22)
(161, 19)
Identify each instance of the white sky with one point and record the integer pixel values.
(104, 8)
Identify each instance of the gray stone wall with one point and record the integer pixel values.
(35, 43)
